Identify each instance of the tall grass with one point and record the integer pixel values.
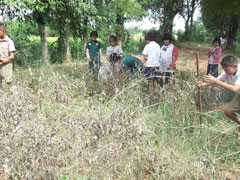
(58, 123)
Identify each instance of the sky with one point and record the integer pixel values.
(148, 24)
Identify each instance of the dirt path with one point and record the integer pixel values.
(187, 57)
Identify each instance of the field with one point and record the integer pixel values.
(58, 123)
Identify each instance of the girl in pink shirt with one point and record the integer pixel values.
(214, 58)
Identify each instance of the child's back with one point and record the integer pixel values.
(152, 50)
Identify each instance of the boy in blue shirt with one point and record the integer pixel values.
(94, 53)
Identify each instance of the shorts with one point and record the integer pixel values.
(234, 105)
(152, 73)
(6, 72)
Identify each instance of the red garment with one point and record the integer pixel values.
(174, 58)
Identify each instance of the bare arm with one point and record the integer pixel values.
(145, 58)
(233, 88)
(88, 55)
(101, 56)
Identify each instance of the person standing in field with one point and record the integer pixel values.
(231, 74)
(168, 58)
(94, 53)
(151, 54)
(214, 58)
(114, 51)
(7, 50)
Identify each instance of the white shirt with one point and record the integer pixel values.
(116, 49)
(222, 41)
(166, 58)
(6, 46)
(152, 51)
(231, 79)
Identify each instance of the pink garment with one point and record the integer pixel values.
(217, 52)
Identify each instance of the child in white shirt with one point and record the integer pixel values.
(151, 54)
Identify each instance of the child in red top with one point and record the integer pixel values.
(214, 58)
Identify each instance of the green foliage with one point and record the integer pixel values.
(227, 10)
(28, 52)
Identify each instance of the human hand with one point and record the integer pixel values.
(89, 60)
(3, 61)
(210, 79)
(199, 84)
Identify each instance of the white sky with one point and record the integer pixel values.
(148, 24)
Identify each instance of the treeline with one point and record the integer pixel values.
(74, 18)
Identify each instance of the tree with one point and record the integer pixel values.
(222, 16)
(25, 10)
(40, 14)
(164, 11)
(187, 13)
(113, 15)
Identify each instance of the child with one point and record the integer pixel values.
(168, 58)
(7, 50)
(114, 52)
(131, 63)
(231, 74)
(94, 53)
(151, 54)
(214, 58)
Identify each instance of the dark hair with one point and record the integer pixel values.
(167, 36)
(112, 37)
(149, 36)
(2, 26)
(229, 61)
(94, 33)
(217, 40)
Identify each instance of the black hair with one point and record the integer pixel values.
(167, 36)
(217, 40)
(229, 61)
(2, 26)
(94, 33)
(149, 36)
(114, 38)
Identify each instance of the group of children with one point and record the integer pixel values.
(160, 62)
(115, 56)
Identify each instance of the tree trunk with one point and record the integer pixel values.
(120, 29)
(5, 14)
(192, 13)
(232, 32)
(168, 24)
(64, 47)
(85, 35)
(120, 35)
(67, 53)
(44, 46)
